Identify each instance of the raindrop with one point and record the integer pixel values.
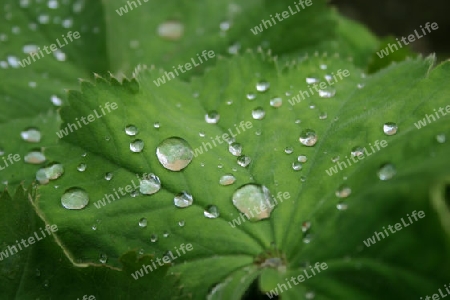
(303, 178)
(296, 166)
(82, 167)
(244, 161)
(131, 130)
(75, 198)
(327, 93)
(343, 191)
(174, 153)
(34, 157)
(307, 238)
(181, 223)
(357, 151)
(323, 116)
(212, 117)
(258, 113)
(311, 80)
(32, 135)
(386, 172)
(440, 138)
(288, 150)
(153, 238)
(302, 158)
(103, 258)
(94, 227)
(150, 185)
(165, 234)
(56, 100)
(52, 4)
(109, 176)
(171, 30)
(27, 49)
(54, 171)
(310, 295)
(262, 86)
(341, 206)
(227, 179)
(235, 149)
(249, 196)
(308, 137)
(251, 96)
(156, 125)
(306, 226)
(211, 212)
(143, 222)
(335, 158)
(137, 146)
(225, 25)
(390, 128)
(13, 61)
(134, 193)
(276, 102)
(234, 48)
(184, 199)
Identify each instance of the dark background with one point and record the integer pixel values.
(401, 17)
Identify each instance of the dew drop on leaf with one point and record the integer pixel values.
(258, 113)
(249, 196)
(327, 93)
(357, 151)
(171, 30)
(32, 135)
(440, 138)
(211, 212)
(34, 157)
(108, 176)
(227, 179)
(390, 128)
(288, 150)
(150, 185)
(212, 117)
(156, 125)
(296, 166)
(251, 96)
(302, 158)
(311, 80)
(386, 172)
(81, 167)
(103, 258)
(262, 86)
(244, 160)
(153, 238)
(143, 222)
(174, 153)
(276, 102)
(183, 199)
(75, 198)
(131, 130)
(343, 191)
(181, 223)
(308, 137)
(235, 149)
(56, 100)
(137, 146)
(341, 206)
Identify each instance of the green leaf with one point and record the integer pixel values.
(227, 259)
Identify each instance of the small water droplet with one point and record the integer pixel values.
(137, 146)
(262, 86)
(150, 185)
(288, 150)
(56, 100)
(303, 178)
(34, 157)
(302, 158)
(153, 238)
(357, 151)
(103, 258)
(211, 212)
(341, 206)
(244, 161)
(327, 92)
(310, 295)
(258, 113)
(235, 149)
(184, 199)
(166, 234)
(131, 130)
(174, 153)
(251, 96)
(143, 222)
(94, 227)
(82, 167)
(306, 226)
(276, 102)
(312, 80)
(323, 116)
(227, 179)
(251, 196)
(156, 125)
(212, 117)
(386, 172)
(390, 128)
(32, 135)
(307, 238)
(296, 166)
(335, 158)
(109, 176)
(440, 138)
(308, 137)
(171, 30)
(343, 191)
(74, 198)
(181, 223)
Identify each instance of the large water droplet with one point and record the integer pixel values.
(150, 185)
(308, 137)
(235, 149)
(227, 179)
(386, 172)
(34, 157)
(131, 130)
(184, 199)
(137, 145)
(258, 113)
(343, 191)
(174, 153)
(75, 198)
(211, 212)
(262, 86)
(32, 135)
(390, 128)
(171, 30)
(212, 117)
(255, 201)
(244, 160)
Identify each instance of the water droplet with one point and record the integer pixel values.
(143, 222)
(171, 30)
(150, 185)
(357, 151)
(335, 158)
(27, 49)
(141, 251)
(312, 80)
(56, 100)
(323, 116)
(166, 234)
(234, 48)
(75, 198)
(153, 238)
(131, 130)
(327, 93)
(262, 86)
(251, 96)
(211, 212)
(174, 153)
(258, 113)
(390, 128)
(440, 138)
(306, 226)
(32, 135)
(307, 238)
(184, 199)
(109, 176)
(343, 191)
(310, 295)
(244, 160)
(360, 85)
(227, 179)
(341, 206)
(103, 258)
(82, 167)
(386, 172)
(137, 145)
(323, 67)
(94, 227)
(303, 178)
(288, 150)
(251, 196)
(296, 166)
(34, 157)
(212, 117)
(308, 137)
(276, 102)
(225, 25)
(156, 125)
(302, 158)
(13, 61)
(235, 149)
(181, 223)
